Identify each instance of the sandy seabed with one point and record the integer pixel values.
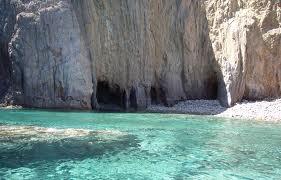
(260, 110)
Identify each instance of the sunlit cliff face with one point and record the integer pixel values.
(138, 52)
(246, 40)
(129, 54)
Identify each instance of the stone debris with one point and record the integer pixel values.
(263, 110)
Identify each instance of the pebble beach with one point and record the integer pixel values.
(260, 110)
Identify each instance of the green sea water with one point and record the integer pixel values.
(86, 145)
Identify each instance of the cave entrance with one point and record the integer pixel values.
(157, 96)
(153, 96)
(133, 99)
(110, 98)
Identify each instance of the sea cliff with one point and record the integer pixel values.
(124, 54)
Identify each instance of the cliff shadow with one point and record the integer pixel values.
(7, 23)
(5, 71)
(216, 83)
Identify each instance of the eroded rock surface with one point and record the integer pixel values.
(50, 63)
(62, 51)
(125, 54)
(7, 22)
(140, 45)
(246, 37)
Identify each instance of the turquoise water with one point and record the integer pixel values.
(72, 145)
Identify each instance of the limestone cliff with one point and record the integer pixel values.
(246, 38)
(87, 54)
(128, 54)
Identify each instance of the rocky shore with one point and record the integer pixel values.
(269, 110)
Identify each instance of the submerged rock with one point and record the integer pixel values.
(20, 145)
(34, 133)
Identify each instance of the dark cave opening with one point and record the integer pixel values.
(162, 96)
(133, 99)
(158, 96)
(110, 98)
(153, 96)
(212, 88)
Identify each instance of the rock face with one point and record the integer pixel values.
(128, 54)
(148, 50)
(7, 22)
(50, 63)
(123, 53)
(246, 37)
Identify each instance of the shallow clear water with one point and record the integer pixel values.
(73, 145)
